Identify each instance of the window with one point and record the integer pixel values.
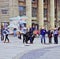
(4, 11)
(22, 10)
(44, 1)
(33, 0)
(34, 12)
(21, 0)
(45, 12)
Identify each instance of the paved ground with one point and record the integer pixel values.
(45, 53)
(16, 49)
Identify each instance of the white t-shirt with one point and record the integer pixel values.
(24, 30)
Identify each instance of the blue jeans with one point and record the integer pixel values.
(15, 34)
(42, 38)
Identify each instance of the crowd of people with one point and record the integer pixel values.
(31, 33)
(51, 33)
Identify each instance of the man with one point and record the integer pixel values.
(24, 30)
(31, 30)
(55, 36)
(42, 33)
(14, 31)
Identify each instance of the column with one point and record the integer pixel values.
(29, 12)
(58, 11)
(13, 7)
(40, 13)
(52, 14)
(48, 15)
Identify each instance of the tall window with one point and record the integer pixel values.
(34, 12)
(45, 12)
(22, 10)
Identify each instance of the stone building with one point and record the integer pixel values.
(40, 12)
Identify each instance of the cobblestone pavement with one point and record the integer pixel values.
(16, 49)
(45, 53)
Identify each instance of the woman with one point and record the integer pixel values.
(6, 32)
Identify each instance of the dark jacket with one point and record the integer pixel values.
(43, 32)
(50, 33)
(55, 33)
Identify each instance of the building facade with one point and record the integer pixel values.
(40, 12)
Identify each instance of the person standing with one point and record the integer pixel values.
(50, 36)
(55, 36)
(24, 30)
(31, 30)
(14, 32)
(42, 33)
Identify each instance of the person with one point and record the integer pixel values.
(55, 36)
(42, 33)
(6, 32)
(2, 35)
(59, 30)
(27, 37)
(31, 30)
(50, 36)
(24, 31)
(14, 31)
(19, 35)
